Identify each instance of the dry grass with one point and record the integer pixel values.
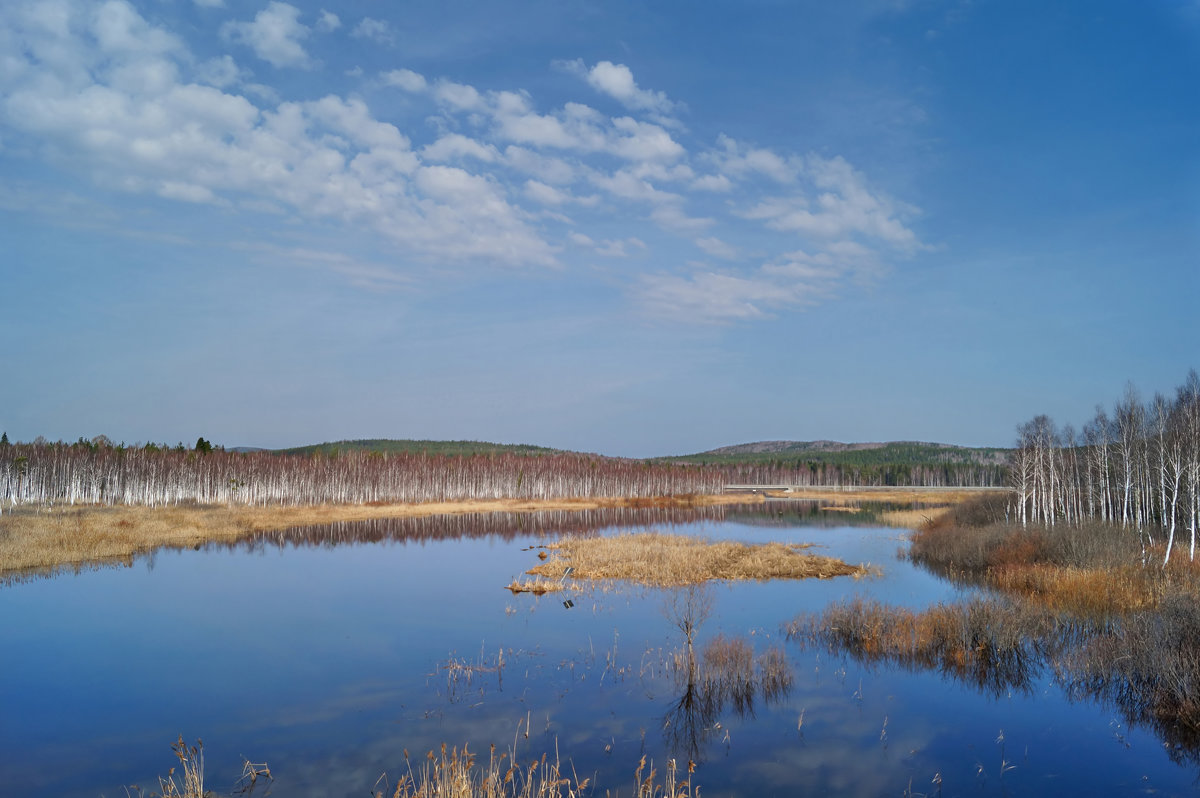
(457, 774)
(1091, 570)
(669, 560)
(912, 519)
(990, 644)
(49, 538)
(537, 587)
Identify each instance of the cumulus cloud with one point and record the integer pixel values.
(455, 146)
(845, 207)
(717, 183)
(377, 30)
(458, 174)
(328, 22)
(275, 35)
(616, 81)
(187, 142)
(405, 79)
(735, 160)
(717, 248)
(219, 72)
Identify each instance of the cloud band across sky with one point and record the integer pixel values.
(452, 173)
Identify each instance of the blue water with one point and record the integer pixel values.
(328, 661)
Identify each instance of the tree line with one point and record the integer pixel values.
(1138, 466)
(56, 473)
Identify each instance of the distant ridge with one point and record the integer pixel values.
(408, 446)
(836, 452)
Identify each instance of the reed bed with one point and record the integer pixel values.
(912, 519)
(538, 587)
(663, 560)
(994, 645)
(458, 774)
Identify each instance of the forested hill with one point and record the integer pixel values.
(848, 454)
(386, 446)
(834, 463)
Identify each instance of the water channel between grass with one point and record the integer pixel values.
(328, 653)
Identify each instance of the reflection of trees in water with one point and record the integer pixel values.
(1145, 664)
(727, 675)
(507, 526)
(818, 513)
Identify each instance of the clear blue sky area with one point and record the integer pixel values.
(625, 227)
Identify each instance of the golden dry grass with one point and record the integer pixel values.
(912, 519)
(1083, 591)
(656, 559)
(43, 539)
(537, 587)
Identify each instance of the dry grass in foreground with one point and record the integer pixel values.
(669, 560)
(34, 539)
(455, 774)
(452, 774)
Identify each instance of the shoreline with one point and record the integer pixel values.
(36, 539)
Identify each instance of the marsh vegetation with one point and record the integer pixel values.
(653, 558)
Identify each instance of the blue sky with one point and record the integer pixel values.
(624, 227)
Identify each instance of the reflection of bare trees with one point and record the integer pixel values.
(507, 526)
(991, 645)
(1148, 666)
(1145, 664)
(726, 676)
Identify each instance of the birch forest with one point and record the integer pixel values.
(99, 473)
(1137, 466)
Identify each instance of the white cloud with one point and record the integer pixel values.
(845, 208)
(327, 22)
(616, 80)
(626, 185)
(609, 248)
(219, 72)
(619, 248)
(546, 195)
(546, 168)
(136, 127)
(735, 160)
(673, 218)
(717, 248)
(377, 30)
(583, 129)
(405, 79)
(455, 146)
(188, 192)
(123, 103)
(275, 35)
(458, 96)
(715, 183)
(712, 297)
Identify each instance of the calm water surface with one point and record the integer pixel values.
(328, 652)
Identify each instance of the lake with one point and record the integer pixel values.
(327, 652)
